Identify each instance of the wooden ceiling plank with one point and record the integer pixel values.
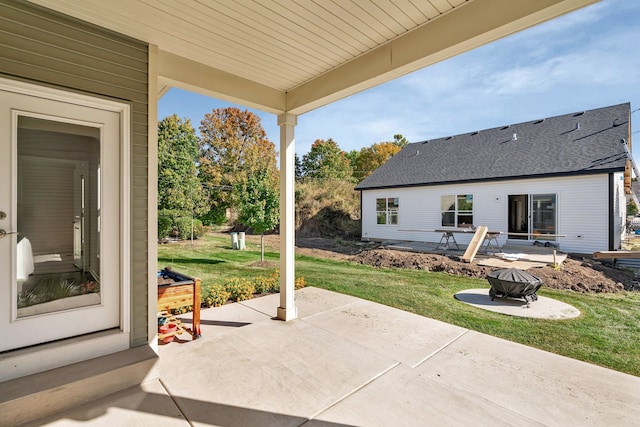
(256, 48)
(317, 21)
(252, 62)
(376, 28)
(427, 8)
(457, 3)
(443, 6)
(363, 37)
(394, 12)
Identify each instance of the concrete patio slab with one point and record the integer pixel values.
(266, 305)
(216, 320)
(146, 405)
(403, 398)
(312, 301)
(285, 371)
(543, 308)
(551, 389)
(358, 363)
(405, 337)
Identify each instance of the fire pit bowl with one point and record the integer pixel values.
(514, 283)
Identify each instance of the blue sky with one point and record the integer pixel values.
(587, 59)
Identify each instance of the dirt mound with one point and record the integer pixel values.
(580, 275)
(327, 208)
(386, 258)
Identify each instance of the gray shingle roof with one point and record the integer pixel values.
(572, 144)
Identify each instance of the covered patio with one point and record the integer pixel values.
(289, 58)
(339, 355)
(348, 361)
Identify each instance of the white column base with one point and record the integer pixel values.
(287, 314)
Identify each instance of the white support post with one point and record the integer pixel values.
(287, 310)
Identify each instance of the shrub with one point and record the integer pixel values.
(214, 295)
(271, 284)
(183, 226)
(173, 222)
(165, 226)
(266, 285)
(299, 283)
(239, 289)
(215, 216)
(199, 229)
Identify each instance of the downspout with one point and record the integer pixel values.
(611, 213)
(361, 215)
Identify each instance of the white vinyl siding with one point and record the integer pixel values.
(583, 210)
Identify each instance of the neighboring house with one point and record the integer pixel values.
(561, 179)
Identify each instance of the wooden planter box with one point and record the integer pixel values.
(179, 290)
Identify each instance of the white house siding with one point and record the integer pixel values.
(583, 210)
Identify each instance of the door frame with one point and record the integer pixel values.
(38, 358)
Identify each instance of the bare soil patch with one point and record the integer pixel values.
(580, 274)
(576, 274)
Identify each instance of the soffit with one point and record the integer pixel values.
(316, 51)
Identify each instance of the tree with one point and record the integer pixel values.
(400, 140)
(259, 204)
(352, 156)
(298, 167)
(233, 146)
(326, 160)
(371, 158)
(178, 184)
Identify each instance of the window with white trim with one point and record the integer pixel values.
(387, 211)
(457, 210)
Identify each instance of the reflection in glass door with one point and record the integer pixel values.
(57, 215)
(532, 216)
(543, 216)
(519, 217)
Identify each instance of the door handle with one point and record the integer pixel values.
(5, 233)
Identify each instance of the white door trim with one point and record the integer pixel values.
(14, 364)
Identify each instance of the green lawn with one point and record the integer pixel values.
(607, 333)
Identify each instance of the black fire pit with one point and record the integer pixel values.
(514, 283)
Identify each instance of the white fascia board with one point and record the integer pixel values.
(177, 71)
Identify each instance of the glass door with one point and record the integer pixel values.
(59, 274)
(532, 216)
(543, 216)
(519, 217)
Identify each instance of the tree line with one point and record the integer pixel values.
(231, 167)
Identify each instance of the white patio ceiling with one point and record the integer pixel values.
(296, 55)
